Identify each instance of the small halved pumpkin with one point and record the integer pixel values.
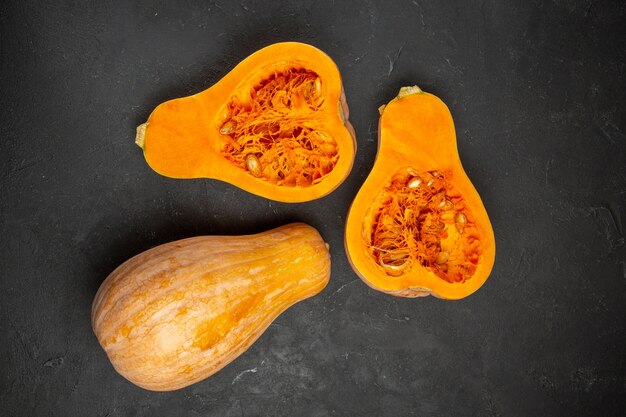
(417, 226)
(276, 126)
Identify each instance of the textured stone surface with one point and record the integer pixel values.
(536, 90)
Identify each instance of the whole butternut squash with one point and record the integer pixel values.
(276, 126)
(176, 314)
(417, 226)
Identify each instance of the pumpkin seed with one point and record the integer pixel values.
(447, 217)
(227, 128)
(442, 258)
(446, 204)
(460, 220)
(253, 165)
(414, 182)
(393, 270)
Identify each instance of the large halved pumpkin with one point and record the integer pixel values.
(417, 226)
(176, 314)
(276, 126)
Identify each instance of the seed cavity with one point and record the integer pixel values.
(420, 220)
(279, 123)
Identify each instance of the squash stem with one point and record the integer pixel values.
(407, 91)
(140, 139)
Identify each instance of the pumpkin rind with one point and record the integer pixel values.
(189, 137)
(176, 314)
(417, 143)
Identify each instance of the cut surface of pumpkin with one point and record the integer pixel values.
(418, 227)
(276, 125)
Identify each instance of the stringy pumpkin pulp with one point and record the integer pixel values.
(274, 134)
(420, 219)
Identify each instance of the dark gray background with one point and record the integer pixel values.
(536, 91)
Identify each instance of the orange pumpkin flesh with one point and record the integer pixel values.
(178, 313)
(276, 126)
(417, 226)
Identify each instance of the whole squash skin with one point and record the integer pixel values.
(176, 314)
